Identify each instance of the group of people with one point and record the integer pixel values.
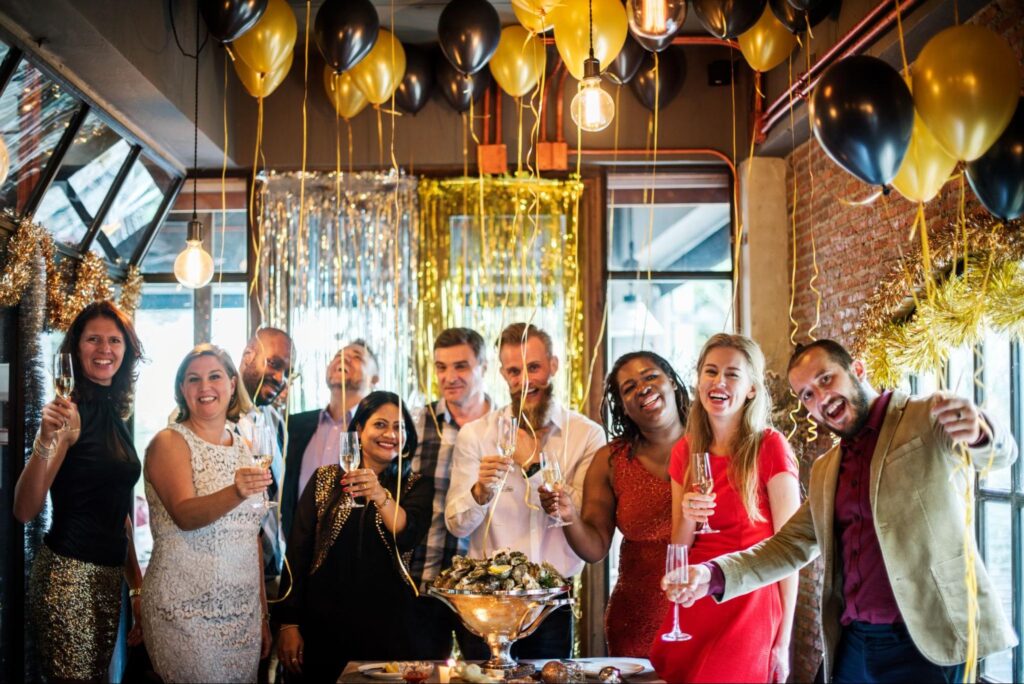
(347, 569)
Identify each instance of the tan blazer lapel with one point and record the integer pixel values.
(893, 415)
(827, 514)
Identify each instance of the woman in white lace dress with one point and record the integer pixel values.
(203, 607)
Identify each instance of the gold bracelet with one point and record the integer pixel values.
(284, 627)
(43, 452)
(132, 593)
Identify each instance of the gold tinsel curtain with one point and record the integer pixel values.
(493, 251)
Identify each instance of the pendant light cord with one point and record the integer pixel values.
(590, 7)
(195, 126)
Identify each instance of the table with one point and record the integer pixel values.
(648, 676)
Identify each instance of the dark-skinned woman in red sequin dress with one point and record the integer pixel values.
(628, 487)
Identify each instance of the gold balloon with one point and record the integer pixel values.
(927, 166)
(270, 41)
(518, 62)
(538, 7)
(572, 32)
(348, 100)
(379, 73)
(534, 22)
(768, 43)
(259, 84)
(966, 84)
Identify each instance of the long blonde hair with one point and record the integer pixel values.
(756, 419)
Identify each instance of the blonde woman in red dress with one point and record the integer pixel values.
(756, 489)
(628, 487)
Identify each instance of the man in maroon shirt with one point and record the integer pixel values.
(886, 509)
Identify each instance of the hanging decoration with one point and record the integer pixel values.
(418, 83)
(660, 80)
(261, 85)
(926, 166)
(379, 73)
(988, 292)
(518, 62)
(345, 32)
(459, 90)
(767, 43)
(798, 21)
(997, 177)
(966, 85)
(655, 19)
(228, 19)
(268, 43)
(534, 22)
(22, 248)
(342, 93)
(573, 31)
(529, 228)
(468, 32)
(728, 18)
(625, 65)
(325, 275)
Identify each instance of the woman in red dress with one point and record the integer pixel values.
(628, 487)
(756, 489)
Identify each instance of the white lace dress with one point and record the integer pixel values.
(201, 594)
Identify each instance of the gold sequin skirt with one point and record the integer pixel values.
(74, 608)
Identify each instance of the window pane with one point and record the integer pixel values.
(996, 372)
(230, 325)
(164, 323)
(85, 177)
(34, 111)
(669, 237)
(3, 51)
(136, 205)
(997, 553)
(671, 317)
(927, 383)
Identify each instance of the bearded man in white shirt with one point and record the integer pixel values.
(528, 366)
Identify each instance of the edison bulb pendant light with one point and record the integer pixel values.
(592, 109)
(655, 18)
(194, 266)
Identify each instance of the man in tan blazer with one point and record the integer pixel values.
(886, 507)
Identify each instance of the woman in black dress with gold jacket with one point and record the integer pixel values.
(350, 594)
(84, 457)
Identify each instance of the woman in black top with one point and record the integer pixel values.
(350, 594)
(84, 456)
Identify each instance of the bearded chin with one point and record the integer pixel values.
(537, 414)
(862, 411)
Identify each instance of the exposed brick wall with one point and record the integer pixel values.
(857, 246)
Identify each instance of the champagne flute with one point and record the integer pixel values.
(349, 456)
(551, 472)
(508, 434)
(63, 378)
(703, 483)
(263, 439)
(676, 573)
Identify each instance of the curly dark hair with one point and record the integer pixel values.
(123, 384)
(619, 424)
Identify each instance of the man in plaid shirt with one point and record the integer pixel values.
(460, 363)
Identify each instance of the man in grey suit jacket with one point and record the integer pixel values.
(886, 508)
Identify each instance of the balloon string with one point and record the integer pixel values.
(519, 138)
(380, 136)
(654, 188)
(737, 236)
(224, 178)
(794, 412)
(903, 47)
(305, 132)
(257, 221)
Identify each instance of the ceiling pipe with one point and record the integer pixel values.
(879, 20)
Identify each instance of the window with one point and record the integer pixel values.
(669, 270)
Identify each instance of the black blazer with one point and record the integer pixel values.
(301, 427)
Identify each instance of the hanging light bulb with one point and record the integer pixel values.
(592, 109)
(655, 18)
(194, 266)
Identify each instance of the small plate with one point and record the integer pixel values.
(592, 666)
(378, 671)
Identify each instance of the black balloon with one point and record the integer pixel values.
(806, 5)
(469, 31)
(728, 18)
(862, 114)
(796, 20)
(997, 177)
(670, 76)
(345, 31)
(459, 89)
(625, 65)
(228, 19)
(418, 82)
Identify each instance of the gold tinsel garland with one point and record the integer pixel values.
(70, 285)
(983, 289)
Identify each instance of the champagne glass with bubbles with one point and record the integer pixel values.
(263, 439)
(703, 483)
(551, 472)
(63, 378)
(349, 456)
(676, 576)
(508, 433)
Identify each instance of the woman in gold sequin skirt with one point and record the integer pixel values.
(84, 457)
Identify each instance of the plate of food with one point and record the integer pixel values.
(592, 666)
(388, 672)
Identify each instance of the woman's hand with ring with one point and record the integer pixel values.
(289, 649)
(364, 482)
(697, 508)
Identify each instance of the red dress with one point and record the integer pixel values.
(643, 513)
(732, 640)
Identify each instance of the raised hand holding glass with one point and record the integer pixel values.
(676, 576)
(349, 456)
(703, 483)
